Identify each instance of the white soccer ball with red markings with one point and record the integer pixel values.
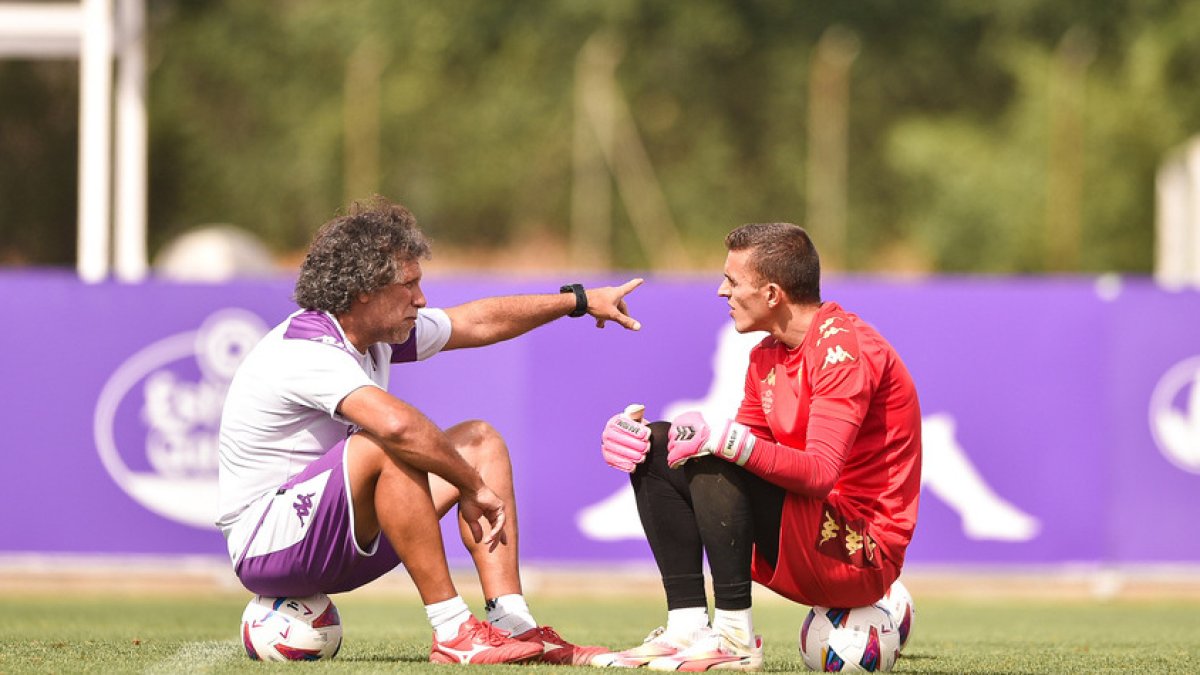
(291, 629)
(858, 639)
(900, 603)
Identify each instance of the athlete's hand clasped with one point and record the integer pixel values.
(480, 509)
(690, 436)
(625, 440)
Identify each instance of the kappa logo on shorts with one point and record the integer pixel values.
(846, 540)
(303, 506)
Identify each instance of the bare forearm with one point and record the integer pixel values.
(491, 320)
(408, 436)
(427, 448)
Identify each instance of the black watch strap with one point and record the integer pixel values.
(580, 298)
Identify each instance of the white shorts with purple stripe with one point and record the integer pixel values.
(303, 541)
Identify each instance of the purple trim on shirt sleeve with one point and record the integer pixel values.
(406, 352)
(315, 327)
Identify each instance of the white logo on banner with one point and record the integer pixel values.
(1175, 414)
(166, 458)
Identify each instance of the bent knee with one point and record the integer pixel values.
(366, 451)
(477, 437)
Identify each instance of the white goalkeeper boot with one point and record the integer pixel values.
(658, 644)
(714, 650)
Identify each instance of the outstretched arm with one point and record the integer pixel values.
(491, 320)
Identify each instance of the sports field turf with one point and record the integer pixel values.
(184, 633)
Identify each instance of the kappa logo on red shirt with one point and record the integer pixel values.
(837, 354)
(828, 329)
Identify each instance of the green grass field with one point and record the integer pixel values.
(181, 633)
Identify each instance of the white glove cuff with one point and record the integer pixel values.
(737, 444)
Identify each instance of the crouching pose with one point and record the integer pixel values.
(327, 481)
(811, 491)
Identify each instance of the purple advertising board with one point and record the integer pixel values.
(1061, 418)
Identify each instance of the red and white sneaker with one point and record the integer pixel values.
(713, 651)
(656, 645)
(481, 642)
(560, 652)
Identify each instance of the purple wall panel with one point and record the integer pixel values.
(1011, 363)
(1061, 419)
(1153, 496)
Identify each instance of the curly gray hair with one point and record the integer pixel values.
(357, 253)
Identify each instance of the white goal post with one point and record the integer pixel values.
(1177, 218)
(112, 213)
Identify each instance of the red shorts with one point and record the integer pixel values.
(825, 558)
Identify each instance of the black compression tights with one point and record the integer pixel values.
(708, 506)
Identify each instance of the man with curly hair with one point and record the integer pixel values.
(328, 481)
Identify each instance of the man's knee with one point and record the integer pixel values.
(368, 465)
(717, 484)
(477, 439)
(658, 436)
(656, 455)
(700, 468)
(655, 468)
(365, 455)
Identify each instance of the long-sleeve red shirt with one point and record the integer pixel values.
(838, 420)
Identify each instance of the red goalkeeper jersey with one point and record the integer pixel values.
(841, 416)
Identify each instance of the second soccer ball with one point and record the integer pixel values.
(862, 639)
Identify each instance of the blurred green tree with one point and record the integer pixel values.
(1013, 138)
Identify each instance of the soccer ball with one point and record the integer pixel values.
(900, 603)
(291, 629)
(859, 639)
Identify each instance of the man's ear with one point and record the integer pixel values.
(776, 296)
(364, 298)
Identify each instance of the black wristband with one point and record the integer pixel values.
(580, 298)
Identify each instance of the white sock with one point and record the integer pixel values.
(735, 624)
(447, 617)
(510, 613)
(684, 622)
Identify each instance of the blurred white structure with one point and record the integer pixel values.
(96, 32)
(1177, 219)
(214, 254)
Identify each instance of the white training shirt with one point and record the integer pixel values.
(281, 410)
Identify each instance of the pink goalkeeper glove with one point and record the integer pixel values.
(624, 442)
(690, 436)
